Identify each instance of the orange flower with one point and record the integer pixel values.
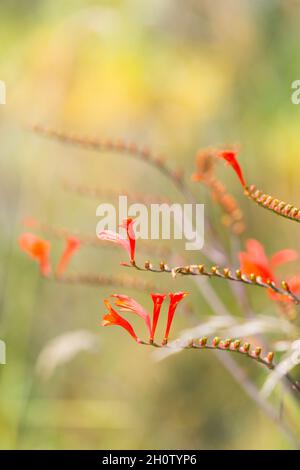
(128, 244)
(231, 157)
(37, 249)
(113, 318)
(127, 304)
(294, 284)
(174, 301)
(255, 261)
(72, 245)
(157, 303)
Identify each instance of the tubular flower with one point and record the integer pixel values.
(232, 215)
(72, 245)
(128, 244)
(127, 304)
(113, 318)
(255, 261)
(157, 303)
(128, 225)
(174, 301)
(230, 156)
(37, 249)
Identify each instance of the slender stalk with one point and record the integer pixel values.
(214, 272)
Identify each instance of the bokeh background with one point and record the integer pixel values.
(175, 76)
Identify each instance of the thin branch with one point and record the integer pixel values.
(235, 346)
(225, 274)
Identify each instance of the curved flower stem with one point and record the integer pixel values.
(222, 345)
(230, 346)
(277, 206)
(225, 273)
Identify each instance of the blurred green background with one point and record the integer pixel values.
(175, 76)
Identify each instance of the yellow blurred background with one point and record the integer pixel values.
(175, 76)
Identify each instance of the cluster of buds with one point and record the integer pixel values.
(237, 346)
(264, 200)
(275, 205)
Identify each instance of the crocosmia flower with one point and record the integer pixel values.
(230, 156)
(72, 245)
(157, 303)
(37, 249)
(255, 261)
(174, 301)
(127, 243)
(128, 225)
(127, 304)
(113, 318)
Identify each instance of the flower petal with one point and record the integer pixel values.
(255, 261)
(251, 266)
(283, 256)
(110, 236)
(72, 245)
(231, 157)
(294, 283)
(157, 303)
(128, 304)
(37, 249)
(174, 301)
(128, 225)
(113, 318)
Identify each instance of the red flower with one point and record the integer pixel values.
(231, 157)
(37, 249)
(113, 318)
(255, 261)
(157, 303)
(127, 304)
(174, 301)
(72, 245)
(128, 244)
(128, 225)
